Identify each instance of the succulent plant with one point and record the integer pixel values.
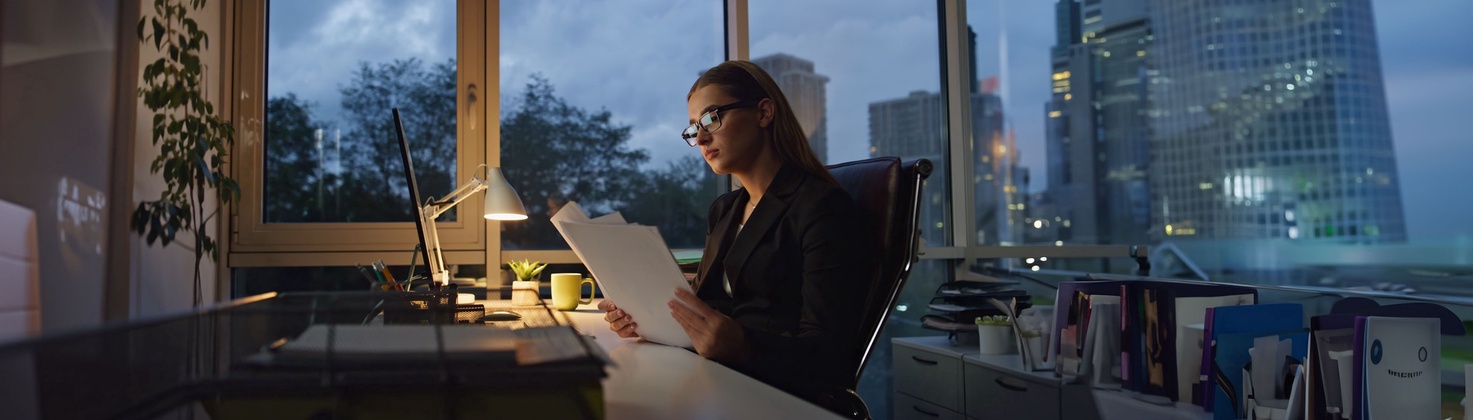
(526, 270)
(999, 320)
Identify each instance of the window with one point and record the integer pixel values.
(318, 159)
(593, 116)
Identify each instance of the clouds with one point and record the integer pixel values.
(637, 59)
(314, 47)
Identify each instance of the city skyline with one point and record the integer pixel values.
(1425, 86)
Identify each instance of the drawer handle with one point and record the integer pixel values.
(923, 361)
(1009, 386)
(918, 408)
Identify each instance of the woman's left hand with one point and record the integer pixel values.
(715, 335)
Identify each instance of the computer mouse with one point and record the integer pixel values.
(501, 316)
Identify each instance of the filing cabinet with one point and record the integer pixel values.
(927, 373)
(936, 379)
(997, 388)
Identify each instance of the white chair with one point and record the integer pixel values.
(20, 274)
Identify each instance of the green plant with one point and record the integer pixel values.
(526, 270)
(193, 141)
(998, 320)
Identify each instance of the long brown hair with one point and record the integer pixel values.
(747, 81)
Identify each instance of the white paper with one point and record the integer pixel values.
(633, 266)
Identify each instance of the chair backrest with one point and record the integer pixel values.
(20, 303)
(889, 193)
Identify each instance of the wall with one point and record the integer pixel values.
(56, 115)
(59, 116)
(162, 277)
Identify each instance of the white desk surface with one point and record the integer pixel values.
(650, 381)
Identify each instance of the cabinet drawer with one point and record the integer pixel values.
(930, 376)
(912, 408)
(997, 394)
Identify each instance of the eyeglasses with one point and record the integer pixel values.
(711, 121)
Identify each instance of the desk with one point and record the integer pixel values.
(656, 381)
(213, 359)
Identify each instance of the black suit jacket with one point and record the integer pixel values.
(799, 271)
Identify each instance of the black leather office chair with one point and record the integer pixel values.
(889, 192)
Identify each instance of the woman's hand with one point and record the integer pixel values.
(715, 335)
(619, 321)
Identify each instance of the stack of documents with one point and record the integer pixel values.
(633, 266)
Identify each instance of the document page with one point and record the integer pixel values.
(633, 266)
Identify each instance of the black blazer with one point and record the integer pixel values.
(799, 271)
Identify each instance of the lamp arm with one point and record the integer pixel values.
(434, 209)
(431, 211)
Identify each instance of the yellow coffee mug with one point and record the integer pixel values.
(567, 291)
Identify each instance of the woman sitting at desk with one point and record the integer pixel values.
(787, 262)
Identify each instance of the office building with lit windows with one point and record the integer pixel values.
(1269, 120)
(1220, 119)
(1097, 130)
(806, 93)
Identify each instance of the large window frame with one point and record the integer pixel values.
(472, 240)
(256, 243)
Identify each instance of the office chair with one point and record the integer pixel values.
(889, 193)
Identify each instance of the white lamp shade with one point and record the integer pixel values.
(502, 202)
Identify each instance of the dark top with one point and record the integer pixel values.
(799, 271)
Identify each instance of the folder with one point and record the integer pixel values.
(1073, 310)
(1264, 318)
(1233, 362)
(1153, 311)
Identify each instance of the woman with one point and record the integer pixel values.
(786, 263)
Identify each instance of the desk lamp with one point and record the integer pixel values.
(502, 203)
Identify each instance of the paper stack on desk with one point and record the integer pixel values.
(633, 266)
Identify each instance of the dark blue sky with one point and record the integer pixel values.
(638, 58)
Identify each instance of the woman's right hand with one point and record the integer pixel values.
(619, 321)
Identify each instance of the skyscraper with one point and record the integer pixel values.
(806, 93)
(1096, 125)
(912, 127)
(1269, 121)
(1220, 119)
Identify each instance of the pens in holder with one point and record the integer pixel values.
(383, 270)
(373, 280)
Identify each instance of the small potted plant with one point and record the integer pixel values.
(994, 334)
(524, 288)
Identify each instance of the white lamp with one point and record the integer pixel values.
(502, 203)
